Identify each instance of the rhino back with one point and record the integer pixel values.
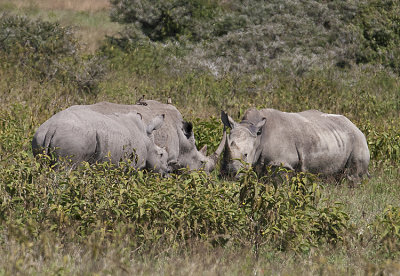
(166, 136)
(122, 136)
(84, 135)
(308, 141)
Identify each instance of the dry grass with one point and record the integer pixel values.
(91, 38)
(74, 5)
(89, 17)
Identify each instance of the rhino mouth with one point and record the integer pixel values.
(175, 167)
(206, 163)
(232, 170)
(231, 167)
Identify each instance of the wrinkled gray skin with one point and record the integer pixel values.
(175, 135)
(308, 141)
(79, 133)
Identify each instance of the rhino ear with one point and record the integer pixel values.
(233, 144)
(227, 120)
(260, 125)
(155, 124)
(204, 150)
(187, 129)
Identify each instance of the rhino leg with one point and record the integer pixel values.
(281, 164)
(356, 169)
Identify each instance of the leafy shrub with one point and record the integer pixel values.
(47, 51)
(383, 141)
(287, 212)
(208, 133)
(380, 26)
(243, 36)
(164, 211)
(170, 210)
(159, 20)
(13, 129)
(254, 36)
(386, 228)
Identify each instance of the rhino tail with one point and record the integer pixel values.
(47, 141)
(96, 156)
(41, 143)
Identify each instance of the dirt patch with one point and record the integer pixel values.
(75, 5)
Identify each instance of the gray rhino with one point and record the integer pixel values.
(175, 135)
(82, 134)
(308, 141)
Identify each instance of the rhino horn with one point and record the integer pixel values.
(214, 157)
(227, 149)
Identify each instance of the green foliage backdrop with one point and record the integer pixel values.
(248, 36)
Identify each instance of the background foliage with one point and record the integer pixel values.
(48, 51)
(249, 36)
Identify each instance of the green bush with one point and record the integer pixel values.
(286, 211)
(47, 51)
(160, 20)
(379, 23)
(254, 36)
(179, 209)
(239, 36)
(208, 133)
(383, 141)
(386, 228)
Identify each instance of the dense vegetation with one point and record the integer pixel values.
(249, 36)
(339, 57)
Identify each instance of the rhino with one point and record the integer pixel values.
(79, 133)
(308, 141)
(175, 135)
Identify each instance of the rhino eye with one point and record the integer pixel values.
(259, 132)
(245, 155)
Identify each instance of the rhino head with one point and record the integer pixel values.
(242, 144)
(157, 157)
(190, 157)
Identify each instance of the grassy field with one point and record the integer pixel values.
(106, 220)
(89, 18)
